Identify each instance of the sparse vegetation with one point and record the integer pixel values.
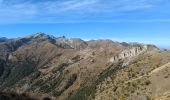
(20, 72)
(59, 68)
(71, 80)
(88, 90)
(147, 82)
(15, 96)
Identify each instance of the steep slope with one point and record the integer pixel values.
(26, 59)
(88, 91)
(64, 74)
(145, 78)
(75, 43)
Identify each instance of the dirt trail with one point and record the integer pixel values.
(152, 72)
(160, 68)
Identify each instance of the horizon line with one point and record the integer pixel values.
(119, 40)
(93, 21)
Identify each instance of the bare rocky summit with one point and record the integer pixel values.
(61, 68)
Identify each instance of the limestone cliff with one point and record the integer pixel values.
(130, 52)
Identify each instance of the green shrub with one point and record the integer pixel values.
(56, 93)
(39, 82)
(76, 58)
(71, 80)
(59, 68)
(45, 88)
(147, 82)
(35, 75)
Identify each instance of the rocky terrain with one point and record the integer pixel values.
(61, 68)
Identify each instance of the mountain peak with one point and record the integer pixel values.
(39, 34)
(39, 37)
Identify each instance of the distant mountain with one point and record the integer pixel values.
(104, 44)
(74, 43)
(61, 68)
(164, 47)
(3, 39)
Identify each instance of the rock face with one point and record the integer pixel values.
(40, 37)
(74, 43)
(129, 52)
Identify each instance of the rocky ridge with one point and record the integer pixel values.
(129, 53)
(63, 68)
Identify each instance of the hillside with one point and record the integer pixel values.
(61, 68)
(145, 78)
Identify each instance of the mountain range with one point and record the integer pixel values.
(42, 66)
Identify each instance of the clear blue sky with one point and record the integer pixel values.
(145, 21)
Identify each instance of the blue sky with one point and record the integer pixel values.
(145, 21)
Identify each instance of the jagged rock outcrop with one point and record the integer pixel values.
(40, 37)
(129, 52)
(74, 43)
